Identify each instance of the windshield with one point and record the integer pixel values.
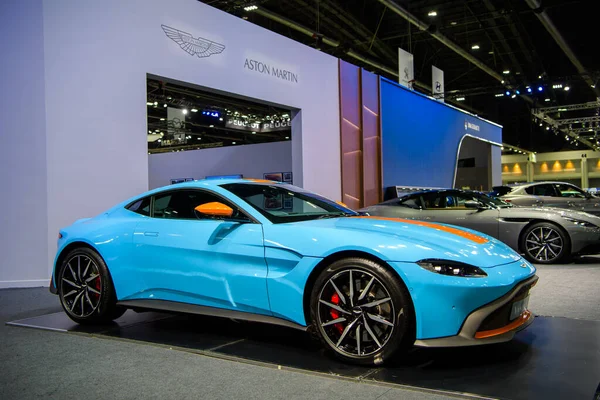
(282, 203)
(491, 201)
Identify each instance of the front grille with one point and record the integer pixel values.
(501, 316)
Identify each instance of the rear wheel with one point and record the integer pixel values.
(545, 243)
(361, 311)
(85, 288)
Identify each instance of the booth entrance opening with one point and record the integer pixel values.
(474, 164)
(197, 133)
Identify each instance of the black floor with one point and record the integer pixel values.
(555, 358)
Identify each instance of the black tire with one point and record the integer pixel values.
(85, 288)
(545, 243)
(364, 320)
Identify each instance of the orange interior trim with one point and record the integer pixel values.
(260, 180)
(215, 208)
(513, 325)
(459, 232)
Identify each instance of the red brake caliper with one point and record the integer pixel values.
(97, 285)
(335, 299)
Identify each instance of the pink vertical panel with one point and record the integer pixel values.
(351, 134)
(371, 139)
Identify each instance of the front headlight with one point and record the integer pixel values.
(452, 268)
(579, 222)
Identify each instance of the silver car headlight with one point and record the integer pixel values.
(452, 268)
(579, 222)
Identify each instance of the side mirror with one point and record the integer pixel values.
(474, 205)
(215, 209)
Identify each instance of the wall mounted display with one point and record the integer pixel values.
(179, 180)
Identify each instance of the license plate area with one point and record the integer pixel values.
(518, 308)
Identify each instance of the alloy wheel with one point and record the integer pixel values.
(544, 243)
(81, 286)
(356, 313)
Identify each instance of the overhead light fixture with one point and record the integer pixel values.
(164, 105)
(432, 13)
(460, 99)
(506, 72)
(513, 96)
(199, 138)
(193, 110)
(475, 47)
(539, 77)
(593, 86)
(547, 128)
(251, 8)
(517, 92)
(149, 103)
(540, 88)
(287, 137)
(232, 142)
(546, 99)
(567, 88)
(557, 86)
(254, 133)
(529, 89)
(502, 81)
(184, 111)
(507, 92)
(211, 126)
(499, 94)
(220, 119)
(453, 23)
(541, 124)
(162, 119)
(156, 103)
(562, 109)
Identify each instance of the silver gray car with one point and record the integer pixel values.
(549, 194)
(542, 235)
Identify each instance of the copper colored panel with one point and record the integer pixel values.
(350, 102)
(351, 137)
(351, 179)
(370, 124)
(371, 171)
(370, 91)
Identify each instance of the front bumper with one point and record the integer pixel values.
(489, 323)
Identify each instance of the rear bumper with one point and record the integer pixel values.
(482, 325)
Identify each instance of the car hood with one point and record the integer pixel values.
(551, 212)
(406, 240)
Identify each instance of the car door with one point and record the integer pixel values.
(184, 256)
(576, 199)
(449, 207)
(538, 195)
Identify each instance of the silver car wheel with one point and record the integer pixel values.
(81, 286)
(356, 313)
(544, 243)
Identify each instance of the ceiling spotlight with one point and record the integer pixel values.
(193, 110)
(220, 119)
(232, 142)
(507, 92)
(211, 126)
(506, 72)
(557, 86)
(546, 99)
(541, 124)
(593, 86)
(254, 133)
(460, 99)
(184, 111)
(567, 88)
(517, 92)
(513, 96)
(162, 119)
(475, 47)
(432, 13)
(499, 94)
(540, 88)
(156, 103)
(199, 138)
(251, 8)
(528, 89)
(149, 103)
(164, 105)
(547, 128)
(287, 137)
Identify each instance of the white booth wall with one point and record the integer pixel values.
(76, 115)
(251, 161)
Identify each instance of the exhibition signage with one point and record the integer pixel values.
(406, 74)
(199, 47)
(437, 83)
(267, 126)
(268, 69)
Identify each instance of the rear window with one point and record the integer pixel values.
(498, 191)
(141, 206)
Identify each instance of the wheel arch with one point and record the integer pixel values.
(325, 262)
(545, 221)
(65, 251)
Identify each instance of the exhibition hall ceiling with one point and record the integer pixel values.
(182, 117)
(505, 36)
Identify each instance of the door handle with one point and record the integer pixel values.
(151, 234)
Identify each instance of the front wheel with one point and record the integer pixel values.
(545, 243)
(361, 311)
(85, 288)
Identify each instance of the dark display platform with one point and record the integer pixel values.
(555, 358)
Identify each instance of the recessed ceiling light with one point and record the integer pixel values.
(162, 119)
(232, 142)
(432, 13)
(546, 99)
(475, 47)
(194, 110)
(453, 23)
(184, 111)
(506, 72)
(567, 88)
(212, 126)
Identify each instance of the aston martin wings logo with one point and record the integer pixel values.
(193, 46)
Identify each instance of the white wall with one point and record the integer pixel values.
(23, 222)
(252, 161)
(94, 61)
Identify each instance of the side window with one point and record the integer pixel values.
(408, 201)
(569, 191)
(181, 204)
(541, 190)
(435, 201)
(141, 206)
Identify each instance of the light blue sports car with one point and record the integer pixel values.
(271, 252)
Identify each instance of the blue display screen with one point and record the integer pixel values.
(420, 137)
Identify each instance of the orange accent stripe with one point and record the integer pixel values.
(260, 180)
(513, 325)
(459, 232)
